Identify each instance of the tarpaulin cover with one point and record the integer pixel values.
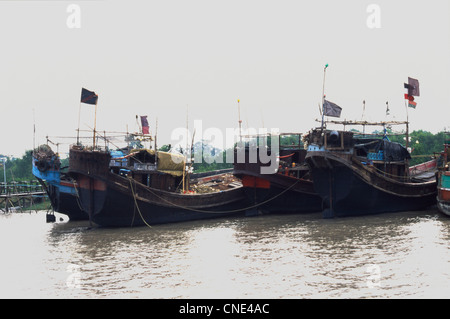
(169, 163)
(392, 151)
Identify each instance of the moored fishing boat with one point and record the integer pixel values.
(359, 176)
(60, 188)
(286, 189)
(443, 180)
(144, 189)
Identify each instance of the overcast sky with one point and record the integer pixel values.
(162, 58)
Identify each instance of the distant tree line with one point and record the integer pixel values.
(212, 158)
(423, 144)
(19, 169)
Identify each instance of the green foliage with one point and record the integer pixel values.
(291, 140)
(422, 143)
(209, 164)
(165, 148)
(64, 163)
(212, 158)
(18, 169)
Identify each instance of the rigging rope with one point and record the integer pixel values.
(221, 212)
(404, 178)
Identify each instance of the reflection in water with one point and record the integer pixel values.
(403, 255)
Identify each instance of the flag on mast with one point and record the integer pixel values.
(145, 127)
(413, 87)
(331, 109)
(88, 97)
(413, 90)
(412, 104)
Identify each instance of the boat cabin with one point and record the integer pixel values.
(253, 154)
(382, 155)
(159, 170)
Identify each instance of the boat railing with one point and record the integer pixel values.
(371, 165)
(285, 140)
(422, 168)
(97, 148)
(145, 166)
(22, 187)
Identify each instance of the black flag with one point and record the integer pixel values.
(331, 109)
(413, 87)
(88, 97)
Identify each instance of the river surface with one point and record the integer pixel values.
(395, 255)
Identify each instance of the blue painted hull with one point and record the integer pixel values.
(61, 192)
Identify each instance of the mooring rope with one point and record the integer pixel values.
(136, 204)
(77, 195)
(221, 212)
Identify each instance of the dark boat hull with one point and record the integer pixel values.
(67, 203)
(443, 200)
(348, 189)
(64, 201)
(121, 202)
(444, 206)
(283, 190)
(61, 192)
(276, 193)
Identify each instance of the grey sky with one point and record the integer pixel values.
(156, 58)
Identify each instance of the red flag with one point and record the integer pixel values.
(409, 97)
(144, 122)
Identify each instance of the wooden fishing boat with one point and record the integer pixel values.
(143, 188)
(359, 176)
(286, 189)
(60, 188)
(443, 180)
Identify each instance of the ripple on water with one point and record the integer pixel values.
(403, 255)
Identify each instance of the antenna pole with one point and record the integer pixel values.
(95, 124)
(323, 93)
(240, 122)
(407, 126)
(156, 133)
(78, 131)
(34, 130)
